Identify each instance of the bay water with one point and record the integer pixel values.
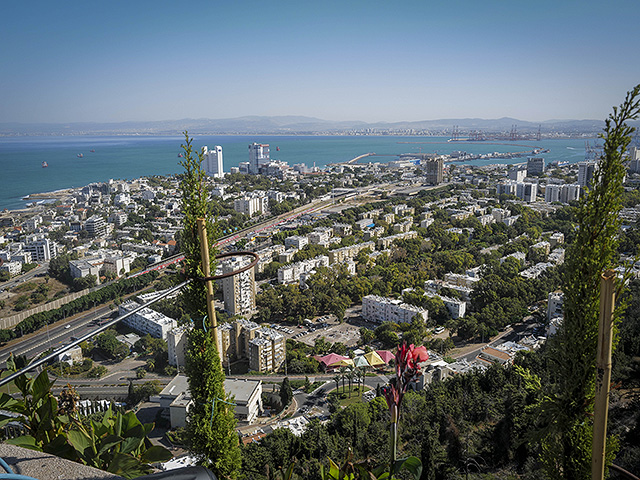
(129, 157)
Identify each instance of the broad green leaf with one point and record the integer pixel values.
(41, 386)
(157, 454)
(82, 442)
(130, 444)
(25, 441)
(126, 466)
(108, 442)
(412, 464)
(7, 402)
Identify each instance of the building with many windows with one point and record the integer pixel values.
(586, 171)
(433, 170)
(258, 157)
(41, 248)
(239, 291)
(213, 161)
(380, 309)
(147, 321)
(96, 226)
(535, 166)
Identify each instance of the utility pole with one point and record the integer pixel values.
(206, 270)
(603, 374)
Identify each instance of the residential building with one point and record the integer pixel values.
(177, 345)
(266, 350)
(433, 171)
(41, 248)
(380, 309)
(258, 157)
(96, 226)
(586, 170)
(291, 273)
(345, 253)
(296, 241)
(386, 242)
(527, 191)
(86, 266)
(250, 205)
(555, 304)
(342, 229)
(517, 173)
(213, 161)
(146, 320)
(506, 188)
(239, 291)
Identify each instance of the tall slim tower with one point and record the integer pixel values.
(239, 291)
(213, 161)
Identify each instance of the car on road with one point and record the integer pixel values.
(67, 326)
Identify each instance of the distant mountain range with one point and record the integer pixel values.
(298, 125)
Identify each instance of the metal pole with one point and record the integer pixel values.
(603, 374)
(206, 270)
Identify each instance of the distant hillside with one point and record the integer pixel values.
(299, 125)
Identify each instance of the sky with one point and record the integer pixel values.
(402, 60)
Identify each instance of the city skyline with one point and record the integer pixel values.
(371, 62)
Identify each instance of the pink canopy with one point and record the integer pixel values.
(386, 355)
(330, 359)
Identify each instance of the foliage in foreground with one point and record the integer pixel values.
(118, 443)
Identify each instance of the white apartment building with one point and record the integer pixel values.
(527, 191)
(147, 321)
(319, 237)
(86, 266)
(40, 247)
(213, 165)
(296, 241)
(96, 226)
(291, 273)
(14, 268)
(380, 309)
(177, 343)
(506, 188)
(386, 242)
(555, 304)
(239, 291)
(258, 157)
(518, 173)
(251, 205)
(561, 193)
(457, 308)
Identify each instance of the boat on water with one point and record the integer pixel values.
(92, 151)
(80, 155)
(45, 164)
(180, 155)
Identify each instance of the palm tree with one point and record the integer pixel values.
(343, 374)
(350, 375)
(337, 380)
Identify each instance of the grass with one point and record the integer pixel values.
(356, 394)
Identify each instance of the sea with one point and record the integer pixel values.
(76, 161)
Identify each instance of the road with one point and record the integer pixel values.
(54, 335)
(39, 270)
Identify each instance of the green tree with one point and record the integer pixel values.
(567, 409)
(211, 427)
(286, 393)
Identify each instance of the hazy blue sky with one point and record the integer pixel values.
(371, 60)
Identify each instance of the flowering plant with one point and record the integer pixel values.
(408, 359)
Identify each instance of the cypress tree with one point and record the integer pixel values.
(211, 426)
(566, 411)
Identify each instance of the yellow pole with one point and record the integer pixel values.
(206, 270)
(603, 374)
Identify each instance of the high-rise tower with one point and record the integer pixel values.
(213, 161)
